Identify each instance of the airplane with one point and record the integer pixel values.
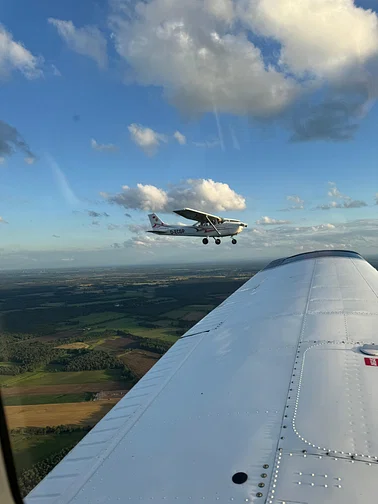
(206, 225)
(271, 398)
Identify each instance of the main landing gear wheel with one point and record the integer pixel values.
(233, 241)
(205, 241)
(217, 241)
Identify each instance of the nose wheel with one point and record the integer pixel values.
(205, 241)
(233, 241)
(217, 241)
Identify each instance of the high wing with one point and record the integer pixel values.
(267, 399)
(198, 216)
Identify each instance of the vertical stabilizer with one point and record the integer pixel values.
(155, 221)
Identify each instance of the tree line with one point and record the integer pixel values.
(88, 360)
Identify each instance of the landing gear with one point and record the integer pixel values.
(233, 241)
(217, 241)
(205, 241)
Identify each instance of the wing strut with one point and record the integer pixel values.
(208, 220)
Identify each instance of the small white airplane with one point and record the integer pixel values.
(206, 225)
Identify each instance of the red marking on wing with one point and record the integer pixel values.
(371, 361)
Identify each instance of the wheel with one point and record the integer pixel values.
(234, 242)
(205, 241)
(217, 241)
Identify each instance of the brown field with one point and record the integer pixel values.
(73, 346)
(41, 415)
(62, 389)
(140, 361)
(194, 316)
(116, 344)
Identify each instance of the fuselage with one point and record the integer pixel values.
(206, 229)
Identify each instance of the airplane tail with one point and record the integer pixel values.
(155, 221)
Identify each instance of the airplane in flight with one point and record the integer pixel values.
(271, 398)
(206, 225)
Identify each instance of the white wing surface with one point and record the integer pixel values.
(271, 384)
(198, 216)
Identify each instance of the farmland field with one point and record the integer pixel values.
(41, 415)
(29, 449)
(18, 399)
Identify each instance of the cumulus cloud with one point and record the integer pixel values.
(3, 221)
(2, 160)
(268, 221)
(323, 227)
(87, 41)
(15, 57)
(11, 141)
(116, 245)
(360, 235)
(344, 201)
(146, 138)
(103, 147)
(298, 203)
(204, 194)
(212, 55)
(180, 137)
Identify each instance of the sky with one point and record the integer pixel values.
(252, 109)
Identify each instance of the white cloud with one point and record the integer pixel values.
(206, 55)
(103, 147)
(3, 221)
(2, 160)
(87, 41)
(146, 138)
(334, 192)
(298, 203)
(295, 199)
(180, 137)
(268, 221)
(203, 194)
(345, 201)
(360, 235)
(14, 56)
(323, 227)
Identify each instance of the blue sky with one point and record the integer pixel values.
(229, 106)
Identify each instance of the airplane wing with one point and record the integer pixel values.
(267, 399)
(198, 216)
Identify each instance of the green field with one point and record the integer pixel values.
(95, 318)
(181, 312)
(46, 399)
(69, 377)
(31, 448)
(129, 324)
